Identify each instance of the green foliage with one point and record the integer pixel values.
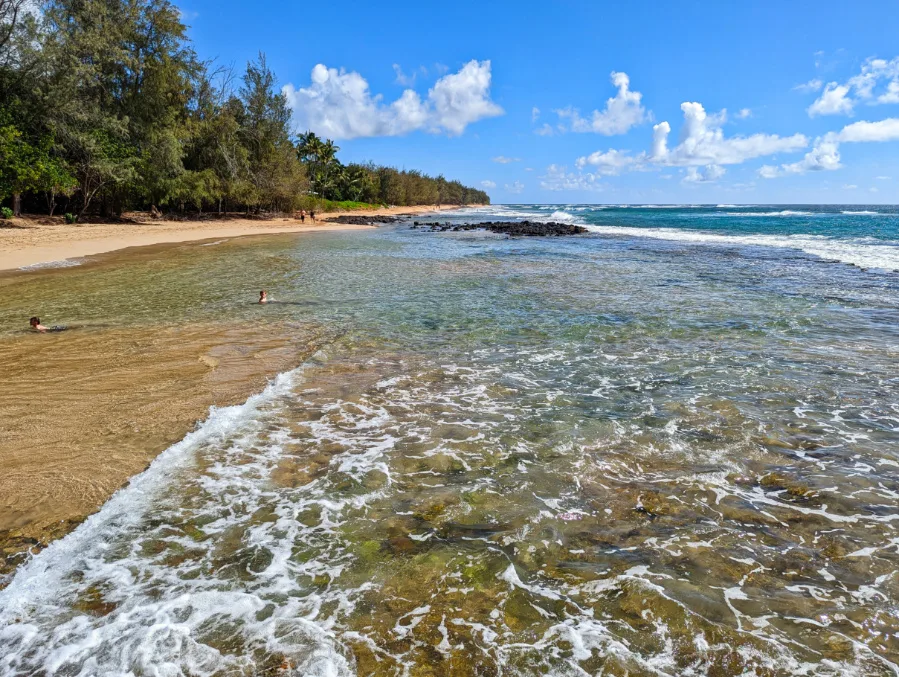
(70, 218)
(104, 106)
(333, 181)
(6, 212)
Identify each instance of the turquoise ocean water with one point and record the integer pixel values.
(667, 447)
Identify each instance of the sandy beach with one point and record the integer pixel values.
(28, 242)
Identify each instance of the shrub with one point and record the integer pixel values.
(70, 218)
(7, 212)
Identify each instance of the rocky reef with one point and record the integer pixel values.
(350, 220)
(512, 228)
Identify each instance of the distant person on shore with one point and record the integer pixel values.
(263, 296)
(36, 325)
(302, 216)
(312, 215)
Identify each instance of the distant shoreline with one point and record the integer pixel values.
(40, 245)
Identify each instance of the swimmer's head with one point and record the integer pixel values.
(263, 294)
(34, 321)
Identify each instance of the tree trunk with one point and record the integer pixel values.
(16, 204)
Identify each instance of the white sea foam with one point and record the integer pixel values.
(855, 252)
(662, 206)
(39, 631)
(863, 212)
(783, 212)
(563, 217)
(64, 263)
(36, 579)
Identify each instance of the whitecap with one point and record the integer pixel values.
(858, 253)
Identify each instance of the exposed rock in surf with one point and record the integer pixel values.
(350, 220)
(513, 228)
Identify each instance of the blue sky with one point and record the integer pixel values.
(521, 96)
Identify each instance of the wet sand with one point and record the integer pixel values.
(85, 410)
(34, 243)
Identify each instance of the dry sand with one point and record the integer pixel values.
(30, 242)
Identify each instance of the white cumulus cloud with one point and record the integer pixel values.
(825, 155)
(488, 184)
(834, 101)
(702, 141)
(515, 187)
(744, 113)
(622, 111)
(339, 105)
(702, 147)
(535, 113)
(609, 163)
(876, 83)
(545, 130)
(882, 130)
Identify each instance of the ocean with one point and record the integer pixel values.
(665, 447)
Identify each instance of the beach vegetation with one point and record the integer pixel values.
(105, 107)
(6, 212)
(331, 180)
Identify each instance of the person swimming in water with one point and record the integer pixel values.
(263, 296)
(36, 325)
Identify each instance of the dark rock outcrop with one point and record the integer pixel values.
(512, 228)
(350, 220)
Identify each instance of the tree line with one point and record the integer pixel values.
(105, 107)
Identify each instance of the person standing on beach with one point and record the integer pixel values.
(312, 215)
(302, 216)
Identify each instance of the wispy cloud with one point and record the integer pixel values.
(503, 160)
(813, 85)
(558, 178)
(404, 79)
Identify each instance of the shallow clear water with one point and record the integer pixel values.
(611, 454)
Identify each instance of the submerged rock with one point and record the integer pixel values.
(513, 228)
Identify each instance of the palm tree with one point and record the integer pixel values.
(321, 156)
